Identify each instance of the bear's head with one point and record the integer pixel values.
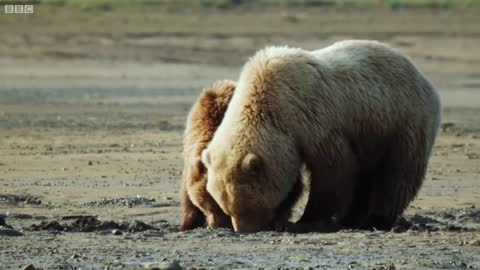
(250, 183)
(197, 191)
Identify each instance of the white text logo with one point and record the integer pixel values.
(19, 9)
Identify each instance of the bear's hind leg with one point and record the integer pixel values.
(400, 178)
(357, 214)
(324, 200)
(332, 181)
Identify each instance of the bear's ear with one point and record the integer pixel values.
(206, 157)
(198, 167)
(252, 163)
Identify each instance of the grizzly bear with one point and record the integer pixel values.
(203, 119)
(358, 114)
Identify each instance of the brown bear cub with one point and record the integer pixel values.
(202, 122)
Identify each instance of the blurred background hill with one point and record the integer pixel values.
(220, 32)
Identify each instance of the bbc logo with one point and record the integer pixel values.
(19, 9)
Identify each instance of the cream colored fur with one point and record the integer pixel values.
(340, 110)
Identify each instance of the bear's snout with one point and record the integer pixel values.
(250, 224)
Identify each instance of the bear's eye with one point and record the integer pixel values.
(252, 164)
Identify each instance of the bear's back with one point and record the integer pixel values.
(378, 78)
(206, 115)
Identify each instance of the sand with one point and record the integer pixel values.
(101, 136)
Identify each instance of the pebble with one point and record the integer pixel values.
(117, 232)
(351, 265)
(74, 256)
(472, 156)
(154, 234)
(9, 232)
(475, 242)
(29, 267)
(138, 226)
(2, 221)
(446, 126)
(175, 265)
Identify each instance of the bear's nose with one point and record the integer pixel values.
(248, 225)
(244, 226)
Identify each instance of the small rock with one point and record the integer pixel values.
(117, 232)
(29, 267)
(164, 266)
(74, 256)
(27, 199)
(138, 226)
(422, 219)
(49, 226)
(153, 234)
(385, 267)
(25, 216)
(9, 232)
(457, 145)
(447, 126)
(472, 156)
(35, 201)
(2, 221)
(352, 265)
(475, 242)
(90, 163)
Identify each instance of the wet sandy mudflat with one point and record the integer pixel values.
(90, 161)
(92, 183)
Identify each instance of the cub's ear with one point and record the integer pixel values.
(252, 163)
(198, 167)
(206, 158)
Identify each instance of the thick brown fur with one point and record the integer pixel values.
(202, 122)
(358, 114)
